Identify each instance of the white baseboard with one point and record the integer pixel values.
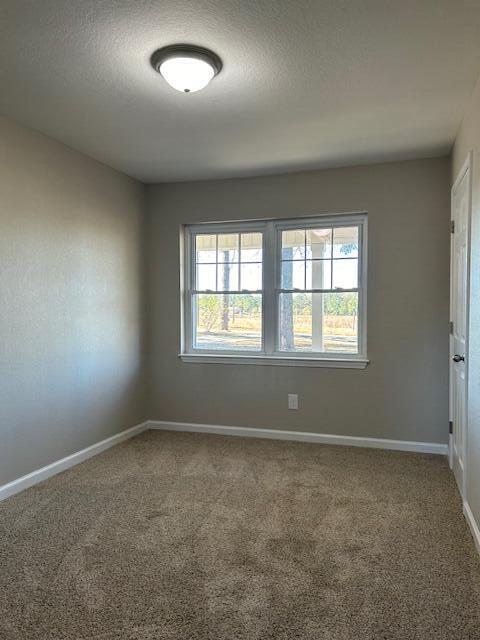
(11, 488)
(474, 528)
(302, 436)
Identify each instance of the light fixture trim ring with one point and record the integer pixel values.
(189, 50)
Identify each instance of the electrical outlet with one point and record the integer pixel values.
(293, 401)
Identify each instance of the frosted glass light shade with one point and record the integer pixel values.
(186, 67)
(187, 74)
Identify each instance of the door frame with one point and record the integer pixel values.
(466, 169)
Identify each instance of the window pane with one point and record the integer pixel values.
(228, 322)
(345, 273)
(319, 243)
(319, 322)
(228, 247)
(319, 274)
(227, 277)
(340, 321)
(206, 277)
(293, 274)
(295, 324)
(251, 247)
(293, 244)
(251, 276)
(206, 248)
(345, 242)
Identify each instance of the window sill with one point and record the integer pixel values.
(283, 361)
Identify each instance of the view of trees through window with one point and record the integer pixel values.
(317, 298)
(235, 322)
(229, 321)
(229, 275)
(324, 263)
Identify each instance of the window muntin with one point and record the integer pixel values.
(284, 288)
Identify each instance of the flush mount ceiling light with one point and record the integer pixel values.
(185, 67)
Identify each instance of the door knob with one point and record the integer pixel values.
(457, 358)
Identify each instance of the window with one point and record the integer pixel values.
(276, 291)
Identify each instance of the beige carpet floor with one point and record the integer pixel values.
(175, 536)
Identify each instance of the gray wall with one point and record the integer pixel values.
(403, 393)
(72, 338)
(71, 308)
(468, 139)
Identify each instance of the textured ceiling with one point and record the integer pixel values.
(305, 84)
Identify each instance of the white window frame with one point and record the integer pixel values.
(271, 258)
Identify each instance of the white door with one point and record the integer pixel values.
(459, 290)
